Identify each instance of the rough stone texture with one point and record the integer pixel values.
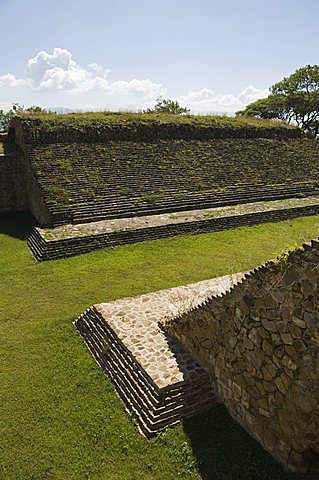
(97, 171)
(13, 196)
(36, 201)
(38, 131)
(19, 189)
(69, 240)
(71, 231)
(260, 343)
(157, 379)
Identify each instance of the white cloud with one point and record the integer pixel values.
(95, 67)
(44, 62)
(141, 88)
(5, 106)
(206, 100)
(58, 72)
(10, 81)
(251, 94)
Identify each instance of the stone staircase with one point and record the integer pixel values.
(107, 207)
(157, 379)
(154, 407)
(91, 182)
(97, 235)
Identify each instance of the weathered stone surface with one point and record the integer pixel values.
(287, 338)
(270, 326)
(248, 344)
(290, 277)
(287, 362)
(13, 183)
(125, 338)
(263, 333)
(310, 319)
(307, 288)
(267, 347)
(278, 366)
(293, 353)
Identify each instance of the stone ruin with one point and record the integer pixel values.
(96, 183)
(249, 341)
(260, 344)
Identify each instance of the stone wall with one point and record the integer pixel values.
(36, 200)
(260, 343)
(35, 130)
(68, 247)
(12, 183)
(90, 171)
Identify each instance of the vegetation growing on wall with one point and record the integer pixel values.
(149, 171)
(168, 106)
(97, 166)
(104, 126)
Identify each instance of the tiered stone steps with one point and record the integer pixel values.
(113, 206)
(91, 182)
(159, 381)
(69, 240)
(154, 407)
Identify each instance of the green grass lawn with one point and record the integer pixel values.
(59, 415)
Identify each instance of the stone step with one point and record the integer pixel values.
(115, 199)
(98, 212)
(154, 408)
(64, 247)
(181, 394)
(106, 335)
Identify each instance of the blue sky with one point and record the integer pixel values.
(213, 56)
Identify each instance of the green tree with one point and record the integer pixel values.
(269, 107)
(295, 99)
(5, 117)
(168, 106)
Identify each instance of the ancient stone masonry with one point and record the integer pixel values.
(73, 240)
(13, 195)
(99, 171)
(159, 381)
(79, 170)
(260, 344)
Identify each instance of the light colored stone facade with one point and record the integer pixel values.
(260, 344)
(158, 380)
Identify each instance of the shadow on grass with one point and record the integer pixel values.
(224, 451)
(17, 224)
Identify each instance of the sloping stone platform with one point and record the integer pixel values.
(159, 381)
(69, 240)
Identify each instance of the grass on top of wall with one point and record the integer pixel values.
(220, 121)
(59, 415)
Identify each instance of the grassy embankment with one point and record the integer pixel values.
(59, 416)
(129, 117)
